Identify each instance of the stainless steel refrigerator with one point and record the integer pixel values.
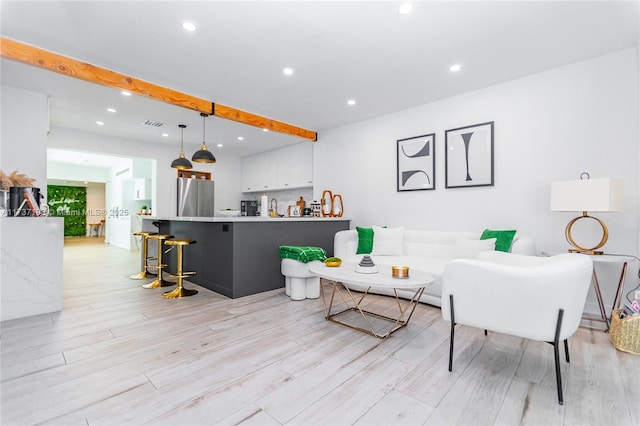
(195, 197)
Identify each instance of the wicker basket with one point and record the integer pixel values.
(625, 333)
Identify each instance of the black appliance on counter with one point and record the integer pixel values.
(249, 208)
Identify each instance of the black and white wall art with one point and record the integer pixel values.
(469, 156)
(416, 163)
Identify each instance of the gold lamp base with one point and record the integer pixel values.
(579, 249)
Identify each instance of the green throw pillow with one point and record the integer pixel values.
(504, 238)
(365, 240)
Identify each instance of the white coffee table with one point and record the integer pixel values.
(337, 277)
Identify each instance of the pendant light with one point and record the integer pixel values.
(203, 155)
(181, 163)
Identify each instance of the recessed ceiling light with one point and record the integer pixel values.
(189, 26)
(100, 123)
(405, 9)
(111, 109)
(351, 102)
(287, 71)
(455, 68)
(125, 93)
(265, 130)
(240, 138)
(165, 135)
(219, 145)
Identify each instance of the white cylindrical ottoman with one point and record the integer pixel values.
(299, 283)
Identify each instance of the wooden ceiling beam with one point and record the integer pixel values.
(30, 55)
(234, 114)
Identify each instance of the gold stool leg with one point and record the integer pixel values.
(143, 274)
(179, 291)
(158, 282)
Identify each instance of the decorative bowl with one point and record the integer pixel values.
(229, 213)
(333, 262)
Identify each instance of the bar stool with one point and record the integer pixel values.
(179, 291)
(159, 282)
(145, 246)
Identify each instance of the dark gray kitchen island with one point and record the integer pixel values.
(239, 256)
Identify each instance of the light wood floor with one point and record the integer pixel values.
(121, 354)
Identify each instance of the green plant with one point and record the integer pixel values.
(69, 202)
(143, 207)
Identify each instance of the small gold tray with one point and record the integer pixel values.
(333, 264)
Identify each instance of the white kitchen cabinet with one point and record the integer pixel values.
(267, 171)
(250, 174)
(284, 168)
(306, 161)
(296, 166)
(142, 189)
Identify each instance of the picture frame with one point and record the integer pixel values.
(294, 211)
(469, 156)
(416, 163)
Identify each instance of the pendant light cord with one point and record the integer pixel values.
(182, 126)
(204, 127)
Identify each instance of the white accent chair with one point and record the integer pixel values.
(537, 298)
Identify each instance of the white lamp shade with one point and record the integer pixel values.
(587, 195)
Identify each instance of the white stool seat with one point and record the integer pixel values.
(299, 283)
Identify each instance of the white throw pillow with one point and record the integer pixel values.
(387, 241)
(469, 249)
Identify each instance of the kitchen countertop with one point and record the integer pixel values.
(239, 256)
(252, 219)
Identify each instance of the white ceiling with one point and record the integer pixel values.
(339, 50)
(86, 159)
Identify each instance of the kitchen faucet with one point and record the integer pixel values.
(273, 208)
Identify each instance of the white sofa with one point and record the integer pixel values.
(428, 251)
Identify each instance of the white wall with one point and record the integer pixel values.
(23, 145)
(549, 126)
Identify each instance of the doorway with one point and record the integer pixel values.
(117, 189)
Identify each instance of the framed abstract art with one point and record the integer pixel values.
(416, 163)
(468, 156)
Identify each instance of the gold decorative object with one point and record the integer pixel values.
(337, 206)
(327, 203)
(159, 282)
(333, 262)
(400, 271)
(179, 291)
(145, 259)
